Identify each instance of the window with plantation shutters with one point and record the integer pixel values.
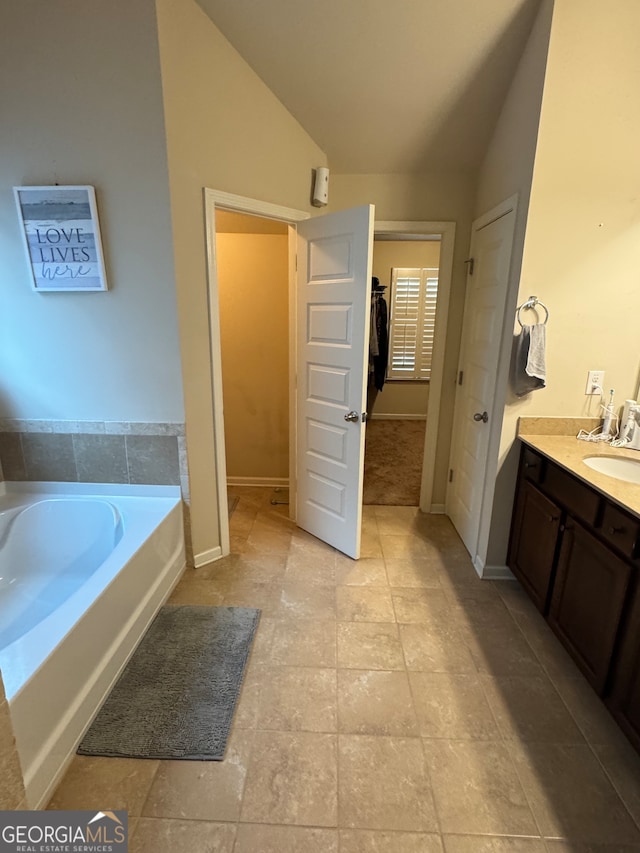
(414, 293)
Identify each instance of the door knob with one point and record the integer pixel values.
(481, 416)
(352, 416)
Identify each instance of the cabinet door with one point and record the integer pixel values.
(624, 700)
(533, 543)
(588, 596)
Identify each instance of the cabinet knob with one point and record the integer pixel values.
(614, 530)
(530, 464)
(553, 518)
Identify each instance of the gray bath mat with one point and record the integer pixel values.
(177, 694)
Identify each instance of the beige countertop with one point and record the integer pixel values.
(569, 452)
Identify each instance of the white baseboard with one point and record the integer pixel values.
(207, 556)
(273, 482)
(381, 416)
(438, 509)
(491, 573)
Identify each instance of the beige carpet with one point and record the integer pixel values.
(393, 462)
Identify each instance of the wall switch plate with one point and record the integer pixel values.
(595, 382)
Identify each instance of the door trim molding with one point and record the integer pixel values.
(240, 204)
(479, 554)
(447, 233)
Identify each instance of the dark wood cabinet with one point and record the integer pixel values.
(624, 696)
(577, 554)
(588, 597)
(533, 545)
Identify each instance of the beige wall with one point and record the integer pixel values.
(439, 196)
(254, 330)
(402, 398)
(82, 104)
(583, 230)
(226, 131)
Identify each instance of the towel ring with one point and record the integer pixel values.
(533, 302)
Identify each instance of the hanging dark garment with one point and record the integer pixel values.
(382, 334)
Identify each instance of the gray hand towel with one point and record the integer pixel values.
(535, 360)
(522, 382)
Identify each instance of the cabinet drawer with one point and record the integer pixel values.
(531, 465)
(620, 529)
(568, 491)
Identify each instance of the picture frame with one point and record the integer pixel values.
(61, 237)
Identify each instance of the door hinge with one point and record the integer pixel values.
(472, 264)
(451, 475)
(460, 376)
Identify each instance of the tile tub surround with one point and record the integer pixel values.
(94, 452)
(130, 452)
(497, 748)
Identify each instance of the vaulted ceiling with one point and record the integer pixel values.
(385, 86)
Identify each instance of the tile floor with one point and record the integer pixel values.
(392, 705)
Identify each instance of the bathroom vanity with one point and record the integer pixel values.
(575, 547)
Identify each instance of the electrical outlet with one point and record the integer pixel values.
(595, 382)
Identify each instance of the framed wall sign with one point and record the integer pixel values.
(61, 237)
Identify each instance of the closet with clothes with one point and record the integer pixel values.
(378, 339)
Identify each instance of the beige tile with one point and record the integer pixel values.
(428, 649)
(262, 641)
(264, 596)
(474, 589)
(292, 779)
(528, 708)
(502, 651)
(384, 784)
(375, 703)
(105, 783)
(622, 766)
(259, 838)
(299, 699)
(429, 606)
(303, 541)
(305, 601)
(486, 844)
(552, 656)
(182, 836)
(452, 706)
(476, 789)
(248, 705)
(202, 790)
(308, 567)
(370, 544)
(303, 642)
(269, 568)
(192, 590)
(555, 845)
(552, 774)
(369, 645)
(404, 546)
(368, 571)
(397, 519)
(587, 709)
(368, 841)
(412, 572)
(364, 604)
(267, 540)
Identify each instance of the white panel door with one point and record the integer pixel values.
(481, 341)
(334, 288)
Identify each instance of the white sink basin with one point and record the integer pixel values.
(615, 466)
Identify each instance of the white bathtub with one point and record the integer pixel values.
(83, 571)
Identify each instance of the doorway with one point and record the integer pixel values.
(397, 413)
(253, 293)
(217, 200)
